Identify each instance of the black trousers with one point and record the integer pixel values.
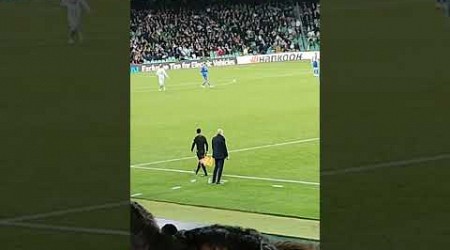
(218, 168)
(201, 155)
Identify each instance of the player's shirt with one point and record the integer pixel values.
(161, 73)
(200, 143)
(204, 70)
(315, 64)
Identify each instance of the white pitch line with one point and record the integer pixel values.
(195, 85)
(184, 84)
(272, 179)
(234, 176)
(275, 145)
(63, 212)
(231, 151)
(66, 229)
(392, 164)
(164, 161)
(187, 87)
(165, 170)
(135, 195)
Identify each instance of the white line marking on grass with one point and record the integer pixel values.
(165, 170)
(231, 151)
(66, 229)
(275, 145)
(164, 161)
(402, 163)
(277, 186)
(65, 211)
(135, 195)
(233, 176)
(177, 187)
(196, 85)
(273, 179)
(194, 180)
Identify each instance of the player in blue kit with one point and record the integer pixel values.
(315, 65)
(204, 72)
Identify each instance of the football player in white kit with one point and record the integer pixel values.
(74, 10)
(162, 75)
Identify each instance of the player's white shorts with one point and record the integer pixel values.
(74, 17)
(161, 81)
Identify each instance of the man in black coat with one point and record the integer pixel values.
(220, 153)
(201, 144)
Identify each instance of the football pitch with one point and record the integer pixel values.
(270, 117)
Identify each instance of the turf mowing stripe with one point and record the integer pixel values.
(66, 229)
(233, 176)
(402, 163)
(231, 151)
(64, 212)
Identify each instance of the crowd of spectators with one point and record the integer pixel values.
(147, 235)
(221, 30)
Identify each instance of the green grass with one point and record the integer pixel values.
(69, 99)
(277, 225)
(267, 104)
(63, 123)
(114, 219)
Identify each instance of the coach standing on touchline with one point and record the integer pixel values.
(220, 153)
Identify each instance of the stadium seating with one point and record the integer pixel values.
(164, 35)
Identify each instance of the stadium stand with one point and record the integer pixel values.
(146, 235)
(164, 34)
